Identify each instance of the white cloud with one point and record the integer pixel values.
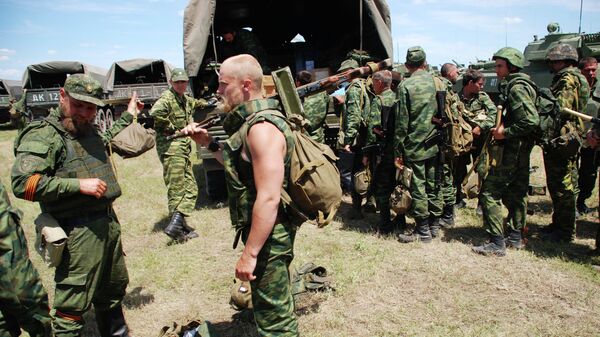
(180, 13)
(51, 52)
(513, 20)
(79, 6)
(87, 44)
(3, 58)
(6, 51)
(10, 74)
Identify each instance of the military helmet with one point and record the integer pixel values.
(512, 55)
(562, 51)
(348, 64)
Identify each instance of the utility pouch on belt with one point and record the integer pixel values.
(401, 200)
(50, 239)
(569, 142)
(495, 152)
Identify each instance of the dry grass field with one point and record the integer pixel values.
(383, 288)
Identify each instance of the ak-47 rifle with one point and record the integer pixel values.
(205, 124)
(439, 136)
(584, 117)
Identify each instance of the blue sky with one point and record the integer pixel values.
(101, 32)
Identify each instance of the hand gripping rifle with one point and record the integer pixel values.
(205, 124)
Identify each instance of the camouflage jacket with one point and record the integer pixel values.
(380, 109)
(572, 91)
(416, 106)
(479, 111)
(239, 172)
(40, 149)
(356, 110)
(520, 118)
(593, 105)
(171, 113)
(315, 111)
(8, 225)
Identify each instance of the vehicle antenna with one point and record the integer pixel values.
(580, 12)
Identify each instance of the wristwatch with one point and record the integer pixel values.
(214, 146)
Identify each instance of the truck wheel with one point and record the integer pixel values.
(109, 119)
(101, 120)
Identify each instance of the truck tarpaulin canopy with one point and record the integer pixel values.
(332, 27)
(11, 87)
(53, 74)
(137, 71)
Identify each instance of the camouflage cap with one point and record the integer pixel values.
(348, 64)
(179, 74)
(511, 55)
(562, 51)
(415, 55)
(84, 88)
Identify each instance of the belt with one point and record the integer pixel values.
(83, 219)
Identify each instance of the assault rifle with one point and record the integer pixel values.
(439, 135)
(290, 96)
(205, 124)
(584, 117)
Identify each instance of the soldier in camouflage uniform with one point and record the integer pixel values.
(315, 108)
(354, 129)
(416, 106)
(62, 162)
(18, 111)
(449, 76)
(480, 113)
(507, 182)
(242, 41)
(588, 166)
(23, 299)
(256, 158)
(571, 91)
(172, 112)
(382, 124)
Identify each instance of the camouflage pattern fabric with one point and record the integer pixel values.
(588, 166)
(18, 112)
(385, 100)
(23, 299)
(571, 91)
(92, 270)
(315, 111)
(271, 291)
(416, 106)
(356, 109)
(507, 183)
(172, 113)
(448, 193)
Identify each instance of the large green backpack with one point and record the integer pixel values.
(313, 191)
(548, 110)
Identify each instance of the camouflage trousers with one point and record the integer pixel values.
(508, 186)
(448, 193)
(23, 299)
(92, 271)
(588, 172)
(182, 189)
(271, 290)
(384, 181)
(561, 178)
(424, 189)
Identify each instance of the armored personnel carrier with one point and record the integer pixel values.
(535, 56)
(304, 35)
(10, 92)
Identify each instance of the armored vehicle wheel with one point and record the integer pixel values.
(101, 120)
(109, 119)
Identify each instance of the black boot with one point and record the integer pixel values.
(447, 219)
(421, 233)
(370, 206)
(175, 229)
(190, 232)
(111, 323)
(399, 222)
(385, 224)
(495, 246)
(355, 212)
(435, 223)
(514, 239)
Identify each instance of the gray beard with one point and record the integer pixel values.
(75, 128)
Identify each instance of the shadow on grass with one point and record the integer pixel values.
(587, 228)
(161, 224)
(135, 299)
(542, 206)
(366, 225)
(468, 235)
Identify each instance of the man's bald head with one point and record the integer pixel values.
(242, 67)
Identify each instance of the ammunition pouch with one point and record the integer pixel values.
(401, 200)
(241, 295)
(362, 181)
(472, 186)
(51, 239)
(568, 143)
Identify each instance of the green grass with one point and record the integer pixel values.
(383, 288)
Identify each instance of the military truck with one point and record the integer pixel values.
(148, 77)
(42, 82)
(10, 92)
(535, 56)
(310, 34)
